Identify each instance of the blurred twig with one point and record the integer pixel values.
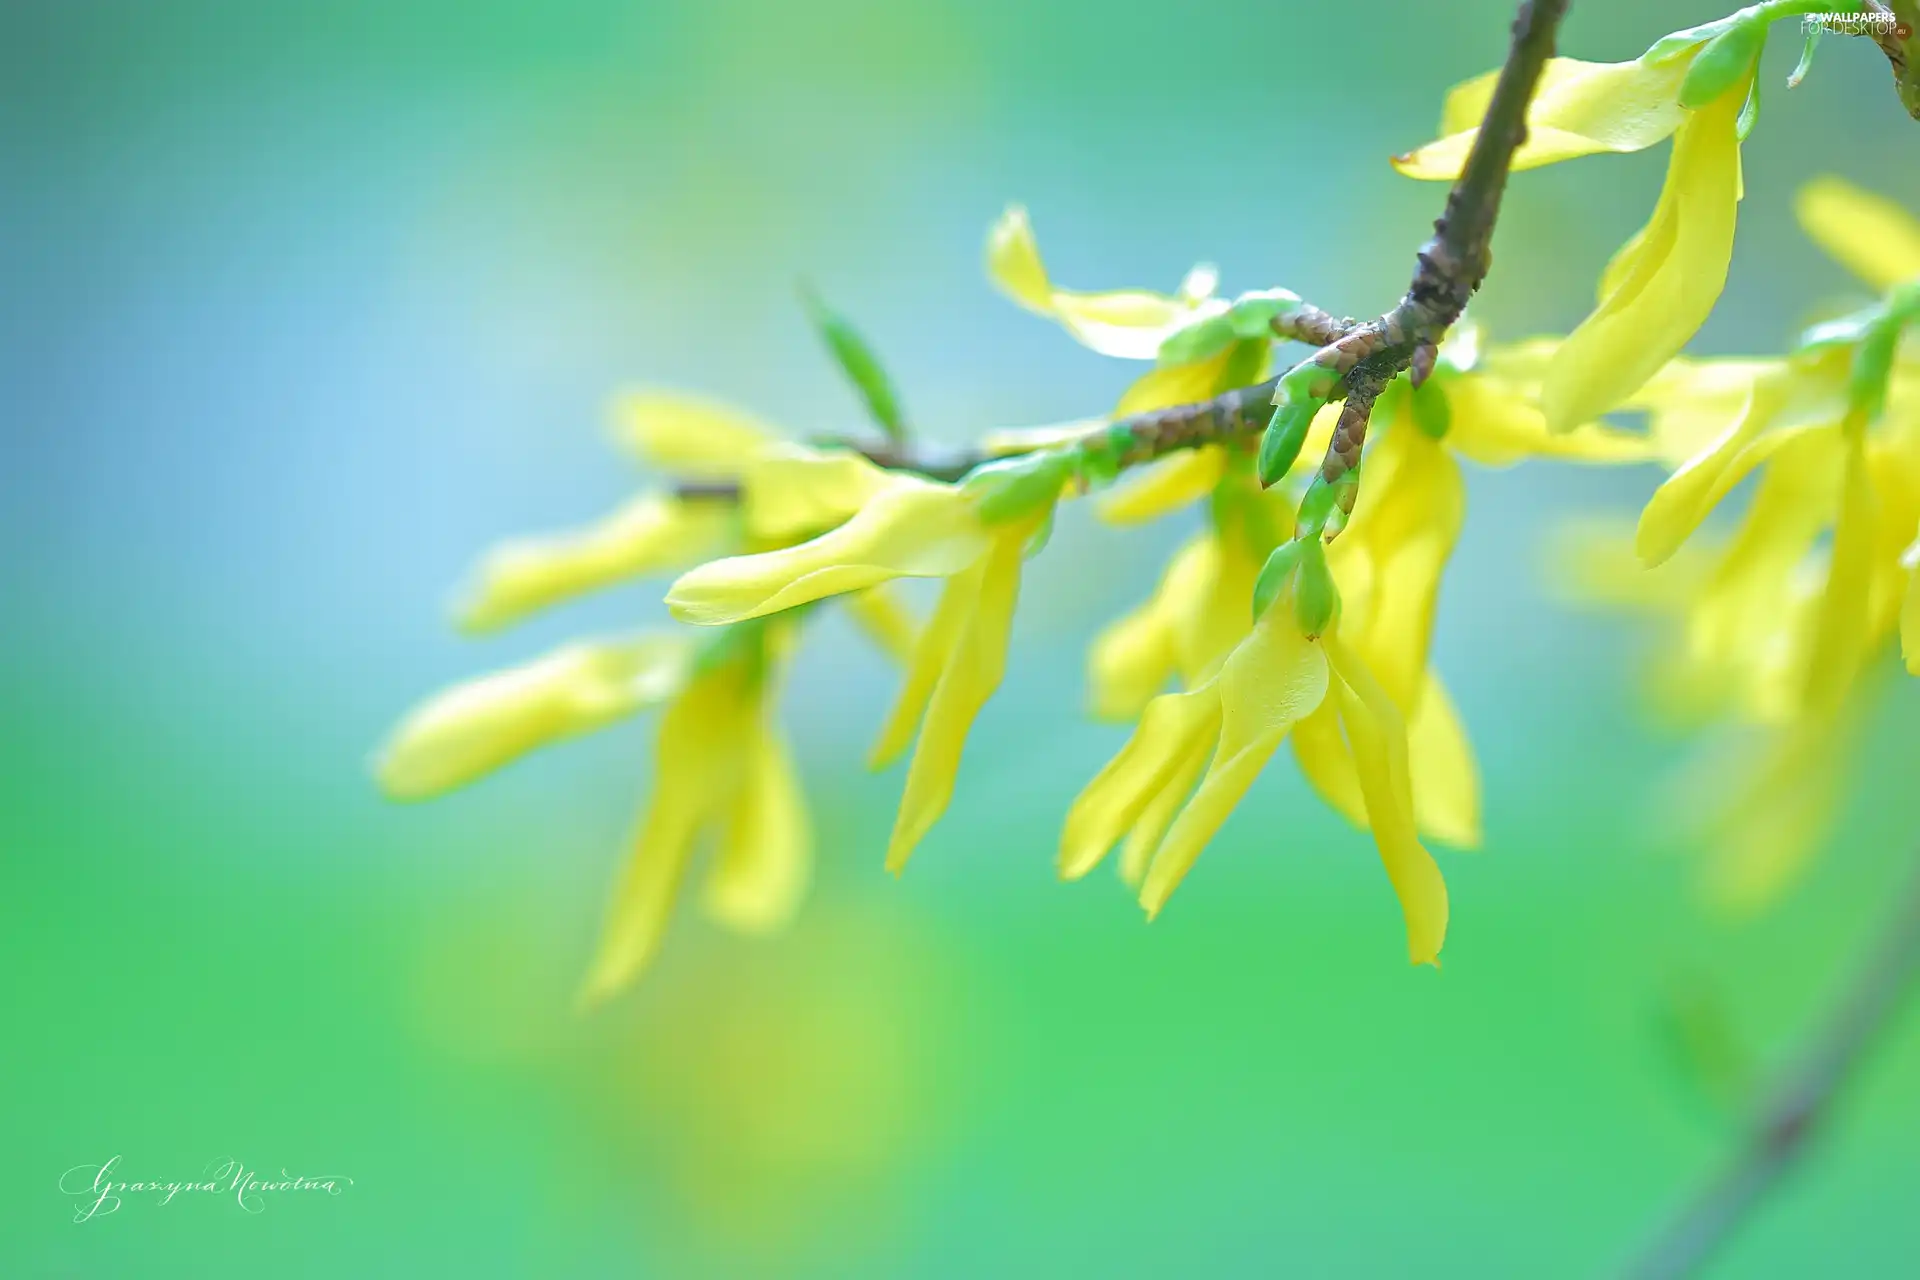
(1790, 1116)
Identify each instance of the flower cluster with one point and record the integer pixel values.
(1303, 611)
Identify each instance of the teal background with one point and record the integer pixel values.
(306, 305)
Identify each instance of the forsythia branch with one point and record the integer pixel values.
(1790, 1117)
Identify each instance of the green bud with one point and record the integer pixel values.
(1718, 66)
(1273, 575)
(859, 363)
(1315, 599)
(1432, 411)
(1316, 504)
(1280, 443)
(1009, 488)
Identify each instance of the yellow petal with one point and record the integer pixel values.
(461, 733)
(1143, 838)
(1171, 484)
(1275, 677)
(793, 492)
(699, 767)
(911, 529)
(1779, 808)
(932, 655)
(1592, 561)
(1379, 740)
(1129, 323)
(885, 621)
(1320, 749)
(1168, 385)
(689, 435)
(972, 674)
(1171, 730)
(1408, 526)
(1446, 780)
(766, 846)
(648, 535)
(1867, 234)
(1683, 500)
(1578, 109)
(1674, 279)
(1840, 641)
(1131, 660)
(1496, 426)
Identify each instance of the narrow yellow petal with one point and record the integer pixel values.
(652, 533)
(689, 435)
(1274, 678)
(1128, 323)
(1683, 500)
(1867, 234)
(1579, 108)
(1129, 664)
(971, 676)
(765, 858)
(1168, 385)
(1172, 484)
(793, 492)
(1675, 277)
(1446, 779)
(1150, 827)
(1171, 730)
(1379, 740)
(1320, 749)
(699, 768)
(884, 620)
(910, 529)
(1496, 426)
(1841, 637)
(1781, 802)
(931, 656)
(471, 729)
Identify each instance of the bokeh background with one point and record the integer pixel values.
(305, 305)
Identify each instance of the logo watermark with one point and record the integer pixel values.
(101, 1189)
(1877, 22)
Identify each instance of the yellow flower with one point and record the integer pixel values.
(909, 528)
(1869, 235)
(471, 729)
(1131, 324)
(1661, 285)
(722, 771)
(764, 492)
(1223, 732)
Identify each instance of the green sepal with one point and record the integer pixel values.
(1273, 575)
(1197, 341)
(1841, 331)
(858, 361)
(1009, 488)
(1872, 368)
(1252, 314)
(1432, 410)
(1719, 66)
(1346, 485)
(1315, 598)
(1672, 45)
(1042, 534)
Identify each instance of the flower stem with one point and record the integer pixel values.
(1804, 1098)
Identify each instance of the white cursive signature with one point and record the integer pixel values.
(99, 1189)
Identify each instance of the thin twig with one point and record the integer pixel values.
(1451, 267)
(1795, 1111)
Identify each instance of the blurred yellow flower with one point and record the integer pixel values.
(1223, 732)
(910, 527)
(1662, 284)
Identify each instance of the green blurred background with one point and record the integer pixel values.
(305, 305)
